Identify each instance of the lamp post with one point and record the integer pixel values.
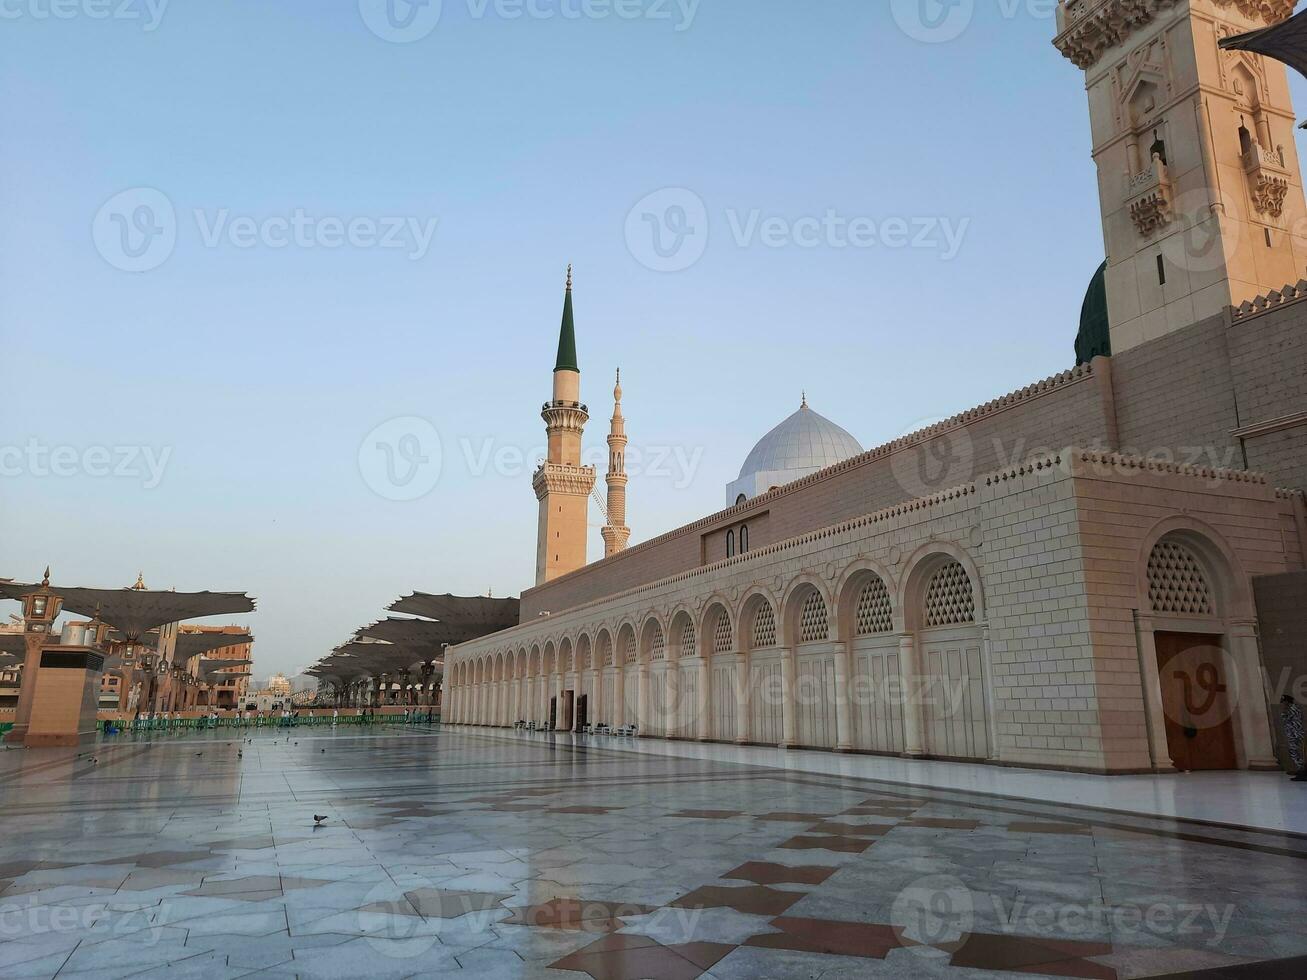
(41, 607)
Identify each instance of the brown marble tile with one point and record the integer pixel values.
(621, 956)
(894, 813)
(1018, 954)
(593, 811)
(1070, 829)
(160, 859)
(517, 807)
(769, 873)
(707, 814)
(750, 899)
(829, 937)
(851, 829)
(577, 914)
(844, 845)
(941, 823)
(434, 903)
(253, 888)
(794, 817)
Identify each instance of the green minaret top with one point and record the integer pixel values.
(567, 335)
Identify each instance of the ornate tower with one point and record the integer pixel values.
(562, 485)
(615, 532)
(1198, 174)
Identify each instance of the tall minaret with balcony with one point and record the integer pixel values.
(562, 485)
(1198, 174)
(615, 532)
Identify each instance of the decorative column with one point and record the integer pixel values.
(596, 686)
(558, 702)
(642, 699)
(743, 699)
(1154, 710)
(619, 696)
(789, 701)
(707, 727)
(1249, 697)
(843, 714)
(672, 702)
(913, 739)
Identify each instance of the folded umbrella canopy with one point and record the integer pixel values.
(1285, 41)
(137, 611)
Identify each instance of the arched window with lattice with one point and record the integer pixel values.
(627, 645)
(723, 640)
(1177, 581)
(814, 625)
(658, 644)
(874, 612)
(950, 600)
(605, 658)
(764, 626)
(687, 639)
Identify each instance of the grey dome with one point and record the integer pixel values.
(804, 443)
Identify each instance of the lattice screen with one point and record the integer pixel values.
(812, 619)
(658, 648)
(949, 599)
(875, 612)
(628, 647)
(1177, 582)
(764, 626)
(605, 651)
(722, 639)
(687, 639)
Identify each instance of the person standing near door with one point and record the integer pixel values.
(1291, 725)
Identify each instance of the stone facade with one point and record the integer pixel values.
(1007, 620)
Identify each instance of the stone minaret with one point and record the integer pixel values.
(562, 485)
(1198, 175)
(615, 532)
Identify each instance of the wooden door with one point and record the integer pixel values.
(1196, 701)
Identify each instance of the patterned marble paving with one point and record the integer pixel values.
(517, 855)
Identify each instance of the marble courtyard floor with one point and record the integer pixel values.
(507, 855)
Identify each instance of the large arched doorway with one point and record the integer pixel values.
(766, 668)
(1202, 669)
(875, 688)
(949, 685)
(717, 643)
(652, 694)
(814, 696)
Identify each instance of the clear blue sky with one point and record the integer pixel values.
(260, 370)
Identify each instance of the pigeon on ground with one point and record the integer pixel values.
(318, 821)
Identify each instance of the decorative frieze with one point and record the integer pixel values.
(1087, 28)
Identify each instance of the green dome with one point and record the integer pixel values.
(1094, 338)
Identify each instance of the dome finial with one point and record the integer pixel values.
(45, 581)
(569, 277)
(805, 399)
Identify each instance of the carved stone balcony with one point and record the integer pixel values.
(1149, 194)
(1268, 179)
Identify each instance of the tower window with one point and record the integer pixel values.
(1161, 271)
(1267, 232)
(744, 539)
(730, 544)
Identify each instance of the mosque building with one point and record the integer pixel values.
(1116, 596)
